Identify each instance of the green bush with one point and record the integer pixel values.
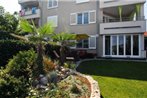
(11, 87)
(16, 78)
(6, 36)
(22, 64)
(8, 48)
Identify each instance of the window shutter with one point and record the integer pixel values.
(92, 42)
(92, 17)
(73, 19)
(53, 20)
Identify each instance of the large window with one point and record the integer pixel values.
(52, 3)
(87, 17)
(53, 20)
(122, 45)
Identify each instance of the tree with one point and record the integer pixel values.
(38, 35)
(64, 40)
(8, 23)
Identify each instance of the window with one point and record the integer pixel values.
(87, 43)
(83, 18)
(81, 1)
(82, 44)
(92, 42)
(122, 45)
(86, 18)
(52, 3)
(53, 20)
(79, 18)
(107, 45)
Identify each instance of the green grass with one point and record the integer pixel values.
(118, 79)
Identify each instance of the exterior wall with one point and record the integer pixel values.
(123, 27)
(64, 9)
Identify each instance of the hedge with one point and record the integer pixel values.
(9, 48)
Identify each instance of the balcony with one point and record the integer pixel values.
(29, 14)
(26, 1)
(124, 25)
(113, 3)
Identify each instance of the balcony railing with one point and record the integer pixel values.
(32, 13)
(123, 19)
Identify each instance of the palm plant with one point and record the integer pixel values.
(37, 36)
(63, 39)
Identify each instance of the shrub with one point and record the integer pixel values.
(22, 64)
(6, 36)
(48, 64)
(8, 48)
(53, 77)
(11, 87)
(57, 93)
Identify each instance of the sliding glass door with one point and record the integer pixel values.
(121, 45)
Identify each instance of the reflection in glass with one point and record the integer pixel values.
(135, 45)
(128, 45)
(121, 45)
(107, 45)
(114, 45)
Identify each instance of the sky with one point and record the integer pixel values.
(12, 5)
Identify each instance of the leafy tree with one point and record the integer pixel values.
(8, 23)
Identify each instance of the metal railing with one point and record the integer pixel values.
(123, 19)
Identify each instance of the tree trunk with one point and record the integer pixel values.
(39, 61)
(62, 55)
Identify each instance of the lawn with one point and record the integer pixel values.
(118, 79)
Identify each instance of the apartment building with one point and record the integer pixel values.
(115, 27)
(1, 10)
(30, 10)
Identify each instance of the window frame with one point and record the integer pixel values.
(76, 17)
(52, 5)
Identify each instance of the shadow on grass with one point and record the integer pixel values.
(118, 69)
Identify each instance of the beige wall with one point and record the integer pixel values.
(64, 9)
(123, 27)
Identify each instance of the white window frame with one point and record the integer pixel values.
(82, 1)
(124, 55)
(55, 16)
(52, 5)
(93, 36)
(76, 16)
(94, 16)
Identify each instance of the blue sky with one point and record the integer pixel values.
(12, 5)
